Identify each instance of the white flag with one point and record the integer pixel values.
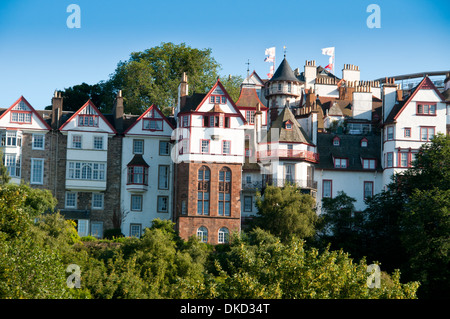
(269, 59)
(328, 51)
(330, 60)
(270, 51)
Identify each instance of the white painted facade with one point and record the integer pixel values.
(148, 195)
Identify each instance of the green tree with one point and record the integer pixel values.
(286, 212)
(232, 84)
(153, 76)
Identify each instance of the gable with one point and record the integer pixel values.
(88, 118)
(219, 96)
(151, 122)
(426, 91)
(22, 115)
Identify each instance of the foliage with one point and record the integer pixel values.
(286, 212)
(153, 75)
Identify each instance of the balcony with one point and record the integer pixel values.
(289, 154)
(258, 186)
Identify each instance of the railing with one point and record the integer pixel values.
(291, 154)
(301, 183)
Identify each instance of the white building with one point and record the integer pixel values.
(147, 172)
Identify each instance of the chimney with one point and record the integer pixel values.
(183, 89)
(346, 92)
(351, 72)
(118, 112)
(258, 123)
(399, 93)
(57, 107)
(388, 96)
(362, 103)
(310, 97)
(310, 74)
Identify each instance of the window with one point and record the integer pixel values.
(279, 86)
(163, 177)
(203, 191)
(224, 235)
(289, 173)
(163, 204)
(186, 121)
(164, 148)
(225, 192)
(86, 170)
(217, 99)
(426, 133)
(340, 163)
(38, 141)
(138, 146)
(407, 132)
(226, 147)
(248, 203)
(336, 141)
(289, 86)
(71, 200)
(37, 171)
(137, 175)
(152, 124)
(403, 159)
(426, 109)
(183, 207)
(98, 142)
(389, 159)
(202, 234)
(288, 126)
(12, 138)
(21, 116)
(364, 142)
(12, 163)
(368, 163)
(135, 230)
(368, 189)
(87, 120)
(390, 133)
(248, 179)
(136, 203)
(205, 146)
(76, 141)
(327, 188)
(97, 229)
(83, 227)
(97, 200)
(250, 117)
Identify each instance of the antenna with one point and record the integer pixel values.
(248, 67)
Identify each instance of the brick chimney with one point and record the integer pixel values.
(118, 112)
(388, 96)
(183, 91)
(346, 92)
(57, 108)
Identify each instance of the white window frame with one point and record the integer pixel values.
(83, 227)
(75, 143)
(40, 178)
(224, 235)
(34, 140)
(202, 234)
(12, 162)
(96, 145)
(66, 205)
(94, 233)
(96, 198)
(135, 230)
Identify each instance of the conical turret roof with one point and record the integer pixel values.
(284, 73)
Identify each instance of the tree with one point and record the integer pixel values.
(341, 225)
(153, 76)
(286, 212)
(232, 84)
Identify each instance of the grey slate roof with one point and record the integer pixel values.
(296, 134)
(350, 148)
(284, 73)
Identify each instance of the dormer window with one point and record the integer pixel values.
(364, 142)
(152, 121)
(336, 141)
(288, 125)
(21, 113)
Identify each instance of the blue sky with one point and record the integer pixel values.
(39, 53)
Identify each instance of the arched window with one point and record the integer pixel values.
(202, 234)
(224, 235)
(203, 191)
(224, 192)
(86, 171)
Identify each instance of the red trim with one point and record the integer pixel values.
(89, 102)
(201, 146)
(364, 140)
(428, 135)
(406, 129)
(152, 107)
(369, 159)
(426, 82)
(206, 98)
(331, 187)
(429, 104)
(340, 158)
(21, 98)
